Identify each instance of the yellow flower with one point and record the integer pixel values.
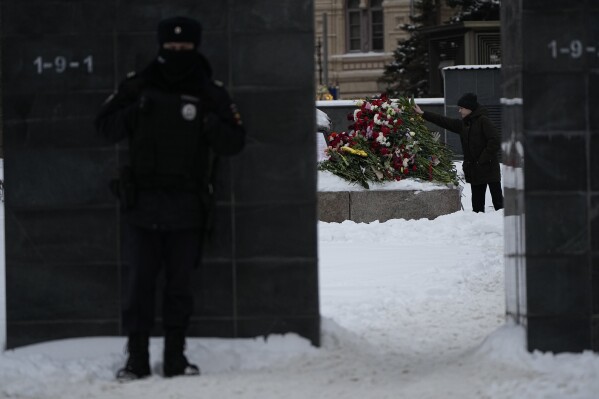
(361, 153)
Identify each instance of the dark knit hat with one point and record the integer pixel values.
(468, 101)
(179, 29)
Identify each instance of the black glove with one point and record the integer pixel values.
(145, 104)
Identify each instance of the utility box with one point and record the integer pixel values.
(484, 81)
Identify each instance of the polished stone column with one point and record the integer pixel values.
(551, 152)
(60, 60)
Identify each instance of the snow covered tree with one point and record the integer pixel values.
(475, 10)
(408, 74)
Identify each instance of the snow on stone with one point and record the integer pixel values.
(330, 182)
(323, 122)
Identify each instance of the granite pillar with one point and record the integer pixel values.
(551, 146)
(60, 60)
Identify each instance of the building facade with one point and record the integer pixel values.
(361, 36)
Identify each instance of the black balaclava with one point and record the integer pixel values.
(179, 66)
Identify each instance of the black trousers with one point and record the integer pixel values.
(478, 196)
(147, 252)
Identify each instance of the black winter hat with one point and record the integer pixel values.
(468, 101)
(179, 29)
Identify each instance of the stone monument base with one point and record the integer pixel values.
(371, 205)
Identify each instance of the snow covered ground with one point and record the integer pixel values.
(411, 309)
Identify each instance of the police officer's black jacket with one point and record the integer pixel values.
(175, 128)
(480, 144)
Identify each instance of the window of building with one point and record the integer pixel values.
(365, 29)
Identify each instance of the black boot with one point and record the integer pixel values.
(138, 363)
(175, 362)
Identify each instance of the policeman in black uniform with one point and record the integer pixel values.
(177, 119)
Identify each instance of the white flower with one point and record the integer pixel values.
(405, 162)
(356, 114)
(412, 134)
(359, 103)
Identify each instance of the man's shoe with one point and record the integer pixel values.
(175, 362)
(181, 366)
(138, 362)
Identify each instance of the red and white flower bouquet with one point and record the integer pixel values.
(388, 141)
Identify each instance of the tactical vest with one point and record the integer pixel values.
(168, 149)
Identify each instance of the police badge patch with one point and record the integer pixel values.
(189, 112)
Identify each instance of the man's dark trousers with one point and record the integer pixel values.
(148, 251)
(478, 196)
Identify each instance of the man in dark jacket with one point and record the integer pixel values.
(177, 119)
(480, 145)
